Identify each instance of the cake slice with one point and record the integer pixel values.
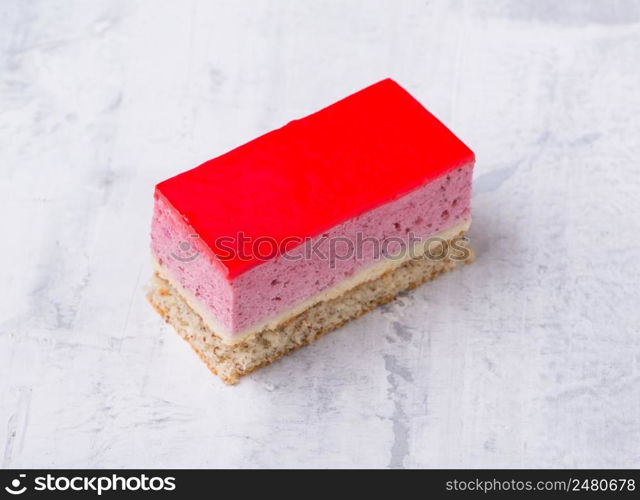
(269, 246)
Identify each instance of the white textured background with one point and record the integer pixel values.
(530, 357)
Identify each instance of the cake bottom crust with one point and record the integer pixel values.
(230, 362)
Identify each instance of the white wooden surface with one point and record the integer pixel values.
(530, 357)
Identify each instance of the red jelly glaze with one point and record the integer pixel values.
(316, 172)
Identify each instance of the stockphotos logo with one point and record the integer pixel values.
(93, 484)
(16, 487)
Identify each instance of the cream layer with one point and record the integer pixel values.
(369, 273)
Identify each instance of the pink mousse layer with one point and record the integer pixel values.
(279, 284)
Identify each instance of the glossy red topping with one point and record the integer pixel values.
(316, 172)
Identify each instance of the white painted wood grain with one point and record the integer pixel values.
(530, 357)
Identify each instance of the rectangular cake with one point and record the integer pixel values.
(264, 249)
